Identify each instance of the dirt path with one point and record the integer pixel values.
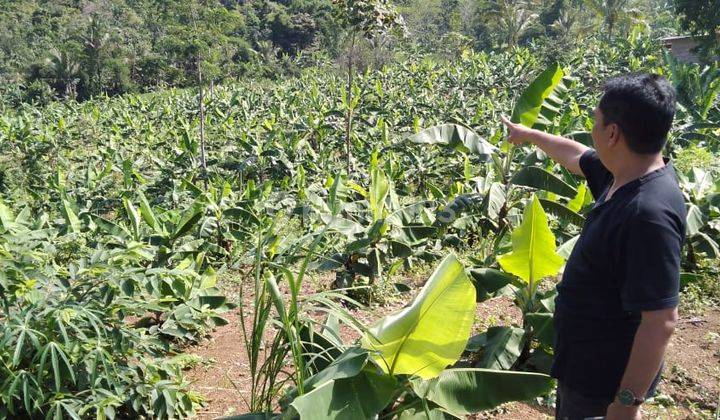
(689, 390)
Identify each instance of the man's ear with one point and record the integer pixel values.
(614, 135)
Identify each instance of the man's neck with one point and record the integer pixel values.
(633, 168)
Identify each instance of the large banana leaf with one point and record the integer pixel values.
(346, 365)
(532, 176)
(582, 198)
(495, 198)
(464, 391)
(566, 248)
(419, 340)
(704, 243)
(457, 137)
(71, 218)
(9, 221)
(379, 188)
(501, 347)
(360, 397)
(189, 219)
(559, 210)
(527, 108)
(694, 220)
(147, 213)
(488, 281)
(533, 256)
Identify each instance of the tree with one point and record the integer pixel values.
(293, 33)
(566, 18)
(702, 19)
(371, 19)
(613, 13)
(65, 71)
(94, 42)
(513, 18)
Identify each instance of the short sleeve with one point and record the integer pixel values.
(597, 175)
(650, 264)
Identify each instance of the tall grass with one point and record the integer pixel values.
(274, 334)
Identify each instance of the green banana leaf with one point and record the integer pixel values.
(133, 215)
(688, 278)
(189, 219)
(360, 397)
(419, 340)
(495, 198)
(239, 213)
(695, 220)
(347, 365)
(538, 178)
(320, 350)
(533, 256)
(527, 108)
(379, 188)
(566, 248)
(501, 347)
(109, 227)
(582, 198)
(147, 213)
(458, 137)
(542, 325)
(563, 212)
(8, 221)
(71, 218)
(702, 242)
(465, 391)
(488, 281)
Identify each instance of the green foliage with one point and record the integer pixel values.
(372, 18)
(465, 391)
(104, 210)
(533, 256)
(358, 385)
(534, 97)
(455, 136)
(68, 347)
(410, 342)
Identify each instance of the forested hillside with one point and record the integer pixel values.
(80, 49)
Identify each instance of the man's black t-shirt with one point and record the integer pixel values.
(626, 260)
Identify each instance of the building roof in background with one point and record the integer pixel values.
(672, 38)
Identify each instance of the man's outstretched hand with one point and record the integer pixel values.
(564, 151)
(517, 133)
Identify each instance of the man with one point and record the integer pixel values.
(616, 307)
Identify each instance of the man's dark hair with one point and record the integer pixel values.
(643, 106)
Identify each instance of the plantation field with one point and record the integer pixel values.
(305, 254)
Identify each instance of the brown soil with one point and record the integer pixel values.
(692, 370)
(222, 376)
(689, 390)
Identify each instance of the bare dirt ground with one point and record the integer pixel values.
(690, 388)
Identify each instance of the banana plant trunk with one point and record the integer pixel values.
(201, 106)
(349, 111)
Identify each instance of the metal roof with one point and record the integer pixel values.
(672, 38)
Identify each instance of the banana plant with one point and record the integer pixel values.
(379, 231)
(401, 368)
(533, 258)
(702, 193)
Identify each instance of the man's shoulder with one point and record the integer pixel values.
(657, 206)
